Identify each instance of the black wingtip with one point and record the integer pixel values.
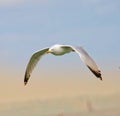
(26, 78)
(96, 73)
(100, 78)
(25, 81)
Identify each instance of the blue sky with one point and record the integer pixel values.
(26, 26)
(29, 25)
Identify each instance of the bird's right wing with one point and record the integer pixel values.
(32, 63)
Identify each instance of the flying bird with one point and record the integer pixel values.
(58, 50)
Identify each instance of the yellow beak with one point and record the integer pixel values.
(48, 51)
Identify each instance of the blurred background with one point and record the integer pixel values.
(59, 86)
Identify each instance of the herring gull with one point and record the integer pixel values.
(58, 50)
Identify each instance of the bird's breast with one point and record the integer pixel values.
(60, 51)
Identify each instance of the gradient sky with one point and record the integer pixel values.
(27, 26)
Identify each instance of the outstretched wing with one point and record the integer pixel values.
(32, 63)
(87, 60)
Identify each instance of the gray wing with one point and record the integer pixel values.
(32, 63)
(90, 63)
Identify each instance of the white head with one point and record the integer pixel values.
(54, 48)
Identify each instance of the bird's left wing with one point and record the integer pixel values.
(32, 63)
(85, 57)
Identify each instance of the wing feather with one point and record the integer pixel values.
(85, 57)
(32, 63)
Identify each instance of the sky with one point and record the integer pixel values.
(27, 26)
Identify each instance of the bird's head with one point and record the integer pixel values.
(54, 49)
(50, 50)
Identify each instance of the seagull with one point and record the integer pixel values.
(59, 50)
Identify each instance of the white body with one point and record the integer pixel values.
(59, 50)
